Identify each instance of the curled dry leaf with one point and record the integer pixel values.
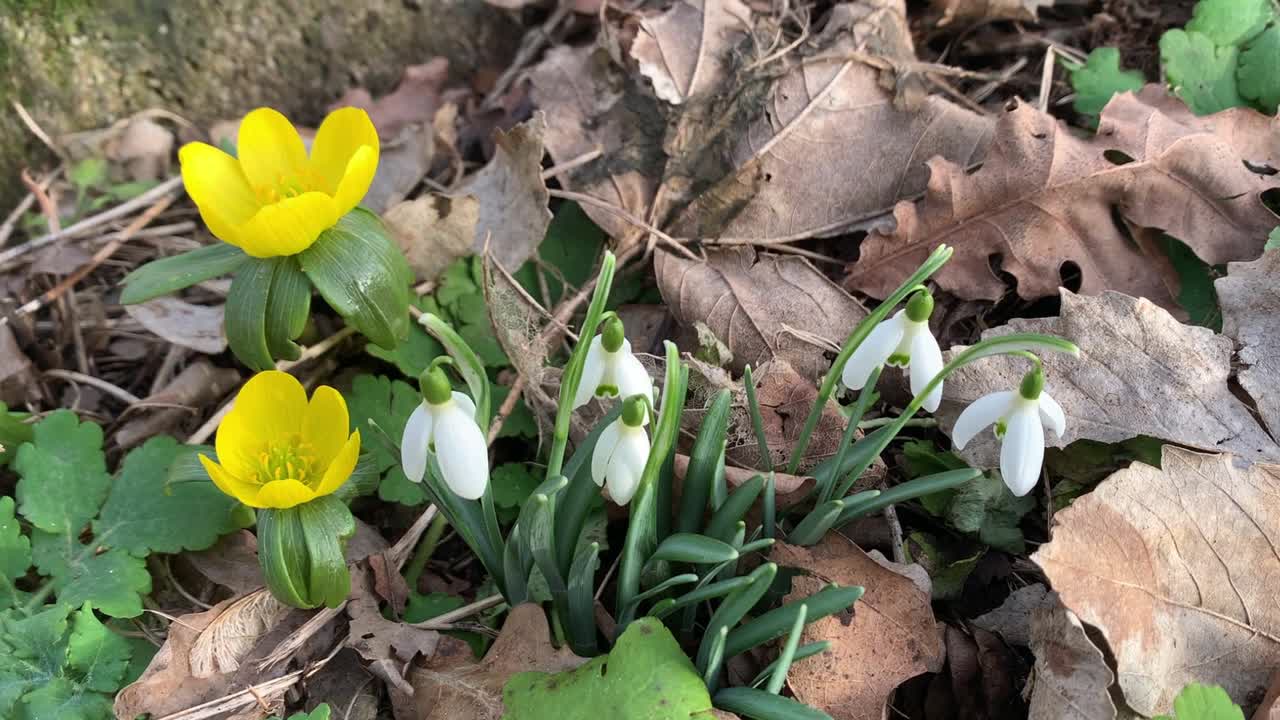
(198, 327)
(512, 195)
(1250, 299)
(983, 674)
(388, 645)
(232, 634)
(413, 102)
(433, 231)
(1044, 198)
(453, 685)
(1012, 620)
(1177, 568)
(1140, 372)
(1071, 674)
(144, 147)
(977, 10)
(888, 637)
(761, 306)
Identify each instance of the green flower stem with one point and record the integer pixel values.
(935, 260)
(573, 369)
(1003, 345)
(874, 423)
(426, 547)
(866, 397)
(757, 420)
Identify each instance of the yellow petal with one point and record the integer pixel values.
(341, 138)
(288, 227)
(283, 494)
(269, 408)
(229, 483)
(269, 149)
(325, 425)
(341, 467)
(359, 176)
(218, 187)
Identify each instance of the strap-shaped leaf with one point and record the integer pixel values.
(161, 277)
(702, 464)
(287, 309)
(246, 313)
(327, 524)
(362, 274)
(761, 705)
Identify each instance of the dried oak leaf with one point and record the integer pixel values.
(1071, 674)
(761, 306)
(1044, 198)
(978, 10)
(453, 685)
(433, 231)
(1250, 299)
(1140, 372)
(889, 636)
(413, 102)
(388, 645)
(1177, 567)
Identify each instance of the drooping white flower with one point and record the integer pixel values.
(903, 340)
(621, 453)
(614, 372)
(1020, 417)
(446, 429)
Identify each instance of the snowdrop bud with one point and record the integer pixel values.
(613, 334)
(1032, 383)
(920, 307)
(634, 411)
(435, 385)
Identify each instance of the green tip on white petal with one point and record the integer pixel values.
(613, 334)
(920, 307)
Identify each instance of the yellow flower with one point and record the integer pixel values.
(273, 199)
(277, 450)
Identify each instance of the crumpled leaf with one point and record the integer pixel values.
(1250, 299)
(198, 327)
(1173, 567)
(712, 155)
(63, 474)
(453, 685)
(230, 636)
(1045, 196)
(1140, 372)
(889, 636)
(1012, 620)
(761, 306)
(979, 10)
(1229, 22)
(512, 195)
(1071, 674)
(433, 231)
(646, 676)
(388, 645)
(413, 102)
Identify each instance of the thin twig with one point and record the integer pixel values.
(236, 700)
(35, 128)
(532, 44)
(11, 221)
(568, 165)
(620, 212)
(103, 385)
(506, 408)
(445, 621)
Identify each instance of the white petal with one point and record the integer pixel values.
(926, 362)
(414, 442)
(631, 378)
(980, 413)
(1023, 450)
(468, 405)
(603, 452)
(623, 482)
(627, 464)
(873, 352)
(462, 453)
(592, 372)
(1051, 414)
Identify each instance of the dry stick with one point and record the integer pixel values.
(103, 385)
(1046, 78)
(98, 258)
(235, 700)
(445, 621)
(310, 353)
(568, 165)
(506, 408)
(151, 196)
(532, 44)
(35, 128)
(11, 221)
(614, 209)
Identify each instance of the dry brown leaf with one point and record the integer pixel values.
(388, 645)
(453, 685)
(144, 147)
(1071, 674)
(1140, 372)
(232, 562)
(413, 102)
(983, 672)
(199, 384)
(198, 327)
(433, 231)
(231, 636)
(512, 195)
(1269, 709)
(762, 307)
(1044, 197)
(1177, 567)
(685, 51)
(889, 637)
(1012, 620)
(978, 10)
(18, 383)
(1250, 301)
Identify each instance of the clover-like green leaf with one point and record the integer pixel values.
(144, 513)
(379, 407)
(321, 712)
(112, 581)
(1230, 22)
(99, 656)
(1257, 74)
(1201, 73)
(1203, 702)
(646, 677)
(15, 553)
(63, 474)
(1099, 78)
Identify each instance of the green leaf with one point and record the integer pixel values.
(361, 273)
(761, 705)
(88, 173)
(13, 433)
(1099, 78)
(1273, 240)
(1197, 294)
(112, 581)
(15, 553)
(1257, 74)
(415, 354)
(568, 254)
(1201, 73)
(32, 653)
(1203, 702)
(520, 423)
(949, 569)
(455, 283)
(646, 677)
(287, 309)
(1230, 22)
(63, 474)
(161, 277)
(321, 712)
(379, 408)
(512, 483)
(396, 487)
(144, 513)
(100, 656)
(987, 507)
(245, 319)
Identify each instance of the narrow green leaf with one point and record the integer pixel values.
(816, 523)
(467, 363)
(246, 313)
(760, 705)
(909, 490)
(734, 608)
(581, 616)
(724, 520)
(161, 277)
(288, 308)
(693, 548)
(582, 494)
(709, 592)
(702, 464)
(327, 524)
(711, 674)
(802, 652)
(757, 420)
(775, 623)
(783, 663)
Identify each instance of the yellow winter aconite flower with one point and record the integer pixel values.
(273, 199)
(276, 450)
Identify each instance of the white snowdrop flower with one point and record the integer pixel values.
(903, 340)
(622, 451)
(1019, 418)
(444, 425)
(610, 369)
